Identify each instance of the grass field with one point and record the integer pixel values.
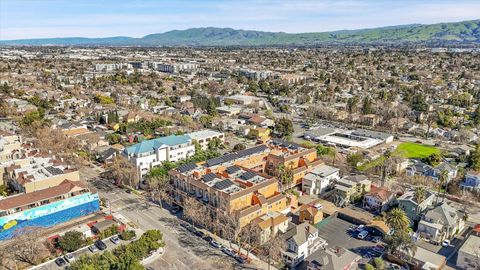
(406, 150)
(415, 150)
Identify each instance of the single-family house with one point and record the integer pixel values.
(440, 223)
(302, 240)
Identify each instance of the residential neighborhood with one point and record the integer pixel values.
(326, 156)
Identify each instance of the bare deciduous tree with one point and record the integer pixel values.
(249, 237)
(123, 172)
(272, 250)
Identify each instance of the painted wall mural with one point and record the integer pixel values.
(49, 215)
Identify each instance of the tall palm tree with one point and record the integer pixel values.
(419, 195)
(398, 220)
(442, 180)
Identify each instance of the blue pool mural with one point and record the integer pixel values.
(49, 215)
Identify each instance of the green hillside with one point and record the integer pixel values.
(467, 32)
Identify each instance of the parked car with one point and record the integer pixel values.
(191, 229)
(208, 238)
(100, 245)
(114, 239)
(377, 239)
(60, 262)
(239, 259)
(69, 258)
(446, 243)
(228, 251)
(362, 235)
(199, 233)
(379, 248)
(93, 248)
(215, 244)
(360, 228)
(176, 209)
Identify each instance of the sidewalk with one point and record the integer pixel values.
(257, 262)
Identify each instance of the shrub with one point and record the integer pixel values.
(127, 235)
(379, 263)
(71, 241)
(123, 257)
(369, 267)
(108, 232)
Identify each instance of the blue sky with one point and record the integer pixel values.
(136, 18)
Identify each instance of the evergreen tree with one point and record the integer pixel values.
(367, 107)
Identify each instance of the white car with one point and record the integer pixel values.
(362, 235)
(446, 243)
(69, 258)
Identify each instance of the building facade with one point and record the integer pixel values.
(152, 153)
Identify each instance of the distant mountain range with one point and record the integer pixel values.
(466, 32)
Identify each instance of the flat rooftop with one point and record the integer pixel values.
(206, 133)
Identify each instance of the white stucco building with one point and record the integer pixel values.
(316, 181)
(151, 153)
(203, 137)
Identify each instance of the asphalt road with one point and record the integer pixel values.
(183, 249)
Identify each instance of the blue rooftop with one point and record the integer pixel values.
(150, 145)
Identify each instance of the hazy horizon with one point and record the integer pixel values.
(28, 19)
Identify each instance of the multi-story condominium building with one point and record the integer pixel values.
(243, 182)
(112, 67)
(230, 184)
(46, 207)
(150, 153)
(174, 67)
(255, 74)
(203, 137)
(38, 173)
(471, 182)
(299, 160)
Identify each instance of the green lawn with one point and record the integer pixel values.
(415, 150)
(406, 150)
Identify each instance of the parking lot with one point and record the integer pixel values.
(337, 233)
(51, 265)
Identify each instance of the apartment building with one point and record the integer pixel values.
(244, 182)
(317, 181)
(110, 67)
(174, 67)
(299, 160)
(203, 137)
(150, 153)
(39, 173)
(350, 187)
(233, 183)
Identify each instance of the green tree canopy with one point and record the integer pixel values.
(71, 241)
